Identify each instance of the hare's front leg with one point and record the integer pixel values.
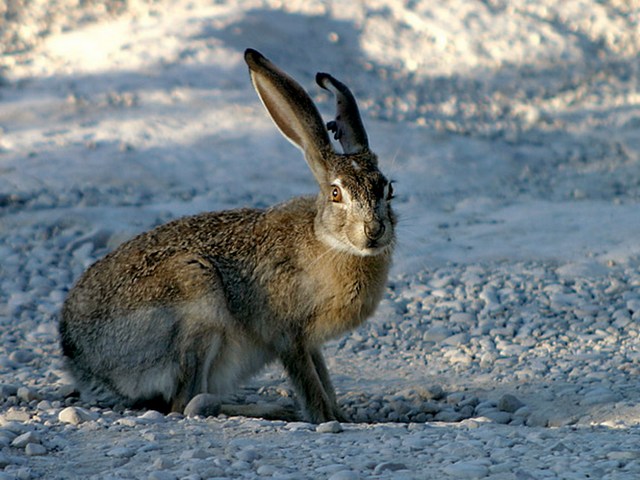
(299, 364)
(323, 373)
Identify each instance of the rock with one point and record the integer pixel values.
(162, 475)
(538, 419)
(26, 394)
(389, 467)
(35, 449)
(8, 390)
(509, 403)
(344, 475)
(22, 356)
(23, 440)
(329, 427)
(196, 453)
(266, 470)
(448, 416)
(467, 470)
(16, 415)
(152, 416)
(249, 455)
(434, 392)
(497, 416)
(162, 463)
(599, 395)
(75, 415)
(121, 452)
(203, 405)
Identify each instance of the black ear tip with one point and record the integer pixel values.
(252, 57)
(322, 78)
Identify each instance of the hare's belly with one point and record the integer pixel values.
(231, 363)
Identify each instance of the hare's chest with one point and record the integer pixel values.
(345, 304)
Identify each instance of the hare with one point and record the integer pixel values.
(201, 303)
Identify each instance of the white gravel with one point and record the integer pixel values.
(508, 343)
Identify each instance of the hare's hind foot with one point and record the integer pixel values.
(209, 405)
(266, 411)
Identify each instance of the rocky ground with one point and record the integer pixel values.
(507, 345)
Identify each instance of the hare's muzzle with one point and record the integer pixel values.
(374, 230)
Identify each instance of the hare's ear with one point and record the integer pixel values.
(347, 127)
(292, 110)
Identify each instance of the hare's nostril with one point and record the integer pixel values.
(374, 230)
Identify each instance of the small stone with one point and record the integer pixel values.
(248, 455)
(497, 416)
(538, 419)
(624, 455)
(162, 475)
(266, 470)
(75, 415)
(344, 475)
(152, 416)
(8, 390)
(16, 415)
(434, 392)
(448, 416)
(329, 427)
(22, 356)
(203, 405)
(121, 452)
(26, 394)
(509, 403)
(599, 395)
(389, 467)
(162, 463)
(35, 449)
(197, 453)
(4, 460)
(23, 440)
(467, 470)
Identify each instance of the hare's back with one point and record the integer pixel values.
(171, 263)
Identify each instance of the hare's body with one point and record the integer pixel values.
(201, 303)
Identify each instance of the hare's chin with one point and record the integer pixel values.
(345, 247)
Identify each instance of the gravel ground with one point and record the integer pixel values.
(507, 345)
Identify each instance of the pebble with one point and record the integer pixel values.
(494, 325)
(509, 403)
(388, 467)
(329, 427)
(75, 415)
(468, 470)
(35, 449)
(26, 438)
(344, 475)
(162, 475)
(121, 452)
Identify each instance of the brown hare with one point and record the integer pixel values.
(203, 302)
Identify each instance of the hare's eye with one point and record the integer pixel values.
(336, 194)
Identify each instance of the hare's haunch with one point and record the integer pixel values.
(201, 303)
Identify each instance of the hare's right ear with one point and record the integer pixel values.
(292, 110)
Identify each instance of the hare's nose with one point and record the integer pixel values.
(374, 229)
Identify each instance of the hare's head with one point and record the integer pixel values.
(354, 203)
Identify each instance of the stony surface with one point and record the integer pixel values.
(507, 345)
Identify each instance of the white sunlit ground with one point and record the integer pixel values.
(507, 346)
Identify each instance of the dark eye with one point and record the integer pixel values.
(390, 195)
(336, 194)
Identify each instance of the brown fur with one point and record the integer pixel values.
(199, 304)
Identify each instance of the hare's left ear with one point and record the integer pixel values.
(347, 127)
(292, 110)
